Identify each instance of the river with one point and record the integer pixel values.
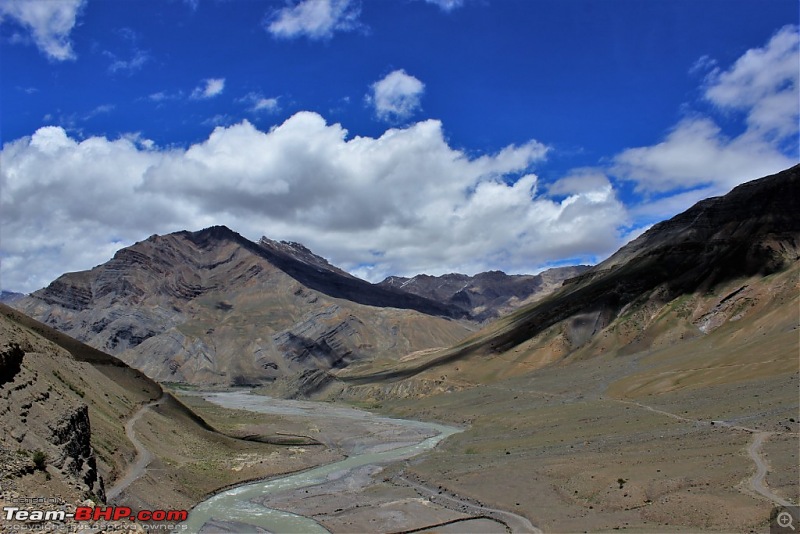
(367, 439)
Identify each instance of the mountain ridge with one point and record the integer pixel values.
(213, 307)
(754, 229)
(488, 295)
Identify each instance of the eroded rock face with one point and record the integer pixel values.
(39, 413)
(211, 307)
(10, 362)
(71, 436)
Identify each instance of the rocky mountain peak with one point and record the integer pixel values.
(298, 252)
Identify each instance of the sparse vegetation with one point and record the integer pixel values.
(39, 460)
(78, 391)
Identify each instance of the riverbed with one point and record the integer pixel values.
(348, 494)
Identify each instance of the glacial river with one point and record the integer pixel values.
(238, 509)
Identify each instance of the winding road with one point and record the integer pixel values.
(143, 456)
(757, 482)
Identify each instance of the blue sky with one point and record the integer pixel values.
(390, 136)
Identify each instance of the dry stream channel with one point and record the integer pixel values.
(366, 438)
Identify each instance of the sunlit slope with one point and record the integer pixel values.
(684, 278)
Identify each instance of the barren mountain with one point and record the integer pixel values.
(488, 295)
(49, 395)
(752, 231)
(656, 392)
(212, 307)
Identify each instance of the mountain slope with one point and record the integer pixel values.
(212, 307)
(656, 392)
(74, 403)
(51, 392)
(752, 231)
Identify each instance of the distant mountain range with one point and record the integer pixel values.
(211, 307)
(8, 297)
(488, 295)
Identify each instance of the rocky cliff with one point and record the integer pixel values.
(45, 420)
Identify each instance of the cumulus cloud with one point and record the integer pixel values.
(315, 19)
(697, 153)
(762, 85)
(579, 180)
(49, 23)
(396, 96)
(401, 203)
(209, 89)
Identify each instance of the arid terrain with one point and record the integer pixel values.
(74, 404)
(654, 392)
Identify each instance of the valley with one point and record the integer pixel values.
(655, 392)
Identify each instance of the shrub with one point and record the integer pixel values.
(39, 460)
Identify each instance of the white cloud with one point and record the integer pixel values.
(446, 5)
(579, 180)
(260, 104)
(164, 96)
(266, 104)
(100, 110)
(49, 23)
(135, 63)
(209, 89)
(315, 19)
(762, 85)
(402, 203)
(696, 153)
(396, 96)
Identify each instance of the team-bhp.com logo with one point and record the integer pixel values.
(88, 513)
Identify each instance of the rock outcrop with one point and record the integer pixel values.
(42, 417)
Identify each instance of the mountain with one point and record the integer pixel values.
(655, 392)
(752, 231)
(488, 295)
(211, 307)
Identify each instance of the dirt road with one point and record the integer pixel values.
(756, 482)
(143, 456)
